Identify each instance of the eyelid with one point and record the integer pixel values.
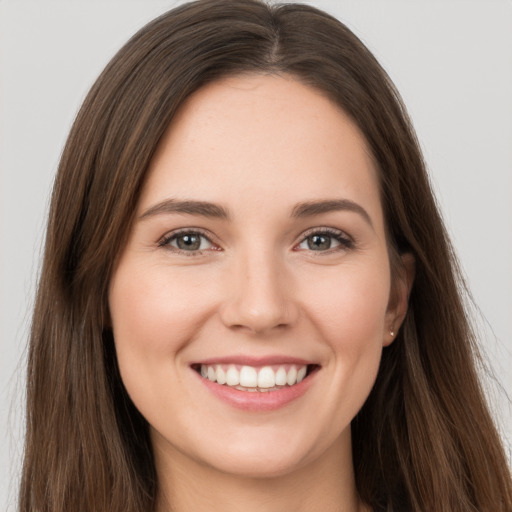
(171, 235)
(345, 240)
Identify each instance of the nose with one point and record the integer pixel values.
(259, 296)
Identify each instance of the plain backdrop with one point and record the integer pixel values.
(451, 60)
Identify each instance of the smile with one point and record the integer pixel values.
(250, 378)
(256, 385)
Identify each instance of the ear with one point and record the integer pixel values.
(403, 277)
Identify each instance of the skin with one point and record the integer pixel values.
(257, 146)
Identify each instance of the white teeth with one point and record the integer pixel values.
(248, 378)
(301, 373)
(221, 375)
(266, 377)
(281, 377)
(232, 376)
(291, 377)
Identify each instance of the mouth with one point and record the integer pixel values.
(259, 379)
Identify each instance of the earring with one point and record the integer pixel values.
(392, 333)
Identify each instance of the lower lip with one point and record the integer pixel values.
(258, 401)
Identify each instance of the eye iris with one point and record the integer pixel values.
(319, 242)
(188, 242)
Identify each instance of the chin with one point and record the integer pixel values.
(258, 465)
(266, 453)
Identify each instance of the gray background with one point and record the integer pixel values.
(451, 60)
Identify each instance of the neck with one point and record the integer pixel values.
(325, 484)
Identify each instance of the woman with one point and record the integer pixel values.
(248, 299)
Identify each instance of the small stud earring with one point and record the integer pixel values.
(392, 333)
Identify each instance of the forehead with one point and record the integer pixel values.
(266, 136)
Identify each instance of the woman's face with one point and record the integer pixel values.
(258, 255)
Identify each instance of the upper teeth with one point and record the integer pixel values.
(265, 377)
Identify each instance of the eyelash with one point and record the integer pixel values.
(345, 241)
(167, 239)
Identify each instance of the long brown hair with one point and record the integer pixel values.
(423, 441)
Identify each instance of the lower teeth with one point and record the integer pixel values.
(259, 390)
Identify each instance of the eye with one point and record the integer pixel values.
(325, 240)
(187, 241)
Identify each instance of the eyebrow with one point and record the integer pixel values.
(311, 208)
(190, 207)
(212, 210)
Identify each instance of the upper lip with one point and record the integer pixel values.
(255, 361)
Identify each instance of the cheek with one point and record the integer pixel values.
(349, 306)
(351, 316)
(153, 310)
(349, 311)
(153, 318)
